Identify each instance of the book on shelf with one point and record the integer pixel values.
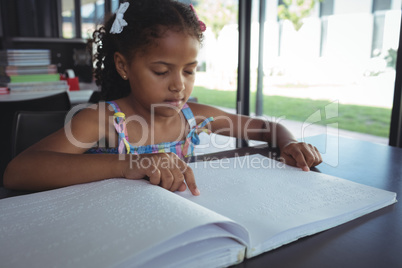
(19, 52)
(25, 62)
(23, 70)
(38, 86)
(248, 205)
(24, 53)
(26, 78)
(25, 57)
(4, 91)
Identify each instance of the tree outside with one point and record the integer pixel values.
(217, 14)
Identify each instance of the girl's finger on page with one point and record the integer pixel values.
(190, 181)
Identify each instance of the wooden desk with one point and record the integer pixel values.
(76, 97)
(374, 240)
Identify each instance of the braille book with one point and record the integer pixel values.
(248, 205)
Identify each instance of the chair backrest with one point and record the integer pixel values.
(30, 127)
(55, 102)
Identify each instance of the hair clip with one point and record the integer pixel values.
(203, 27)
(119, 22)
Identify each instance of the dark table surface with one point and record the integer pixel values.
(374, 240)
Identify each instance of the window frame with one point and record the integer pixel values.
(78, 15)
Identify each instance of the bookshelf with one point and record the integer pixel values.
(65, 53)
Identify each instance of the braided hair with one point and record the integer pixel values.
(147, 21)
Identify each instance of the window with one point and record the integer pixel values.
(216, 80)
(326, 8)
(115, 5)
(80, 22)
(343, 52)
(68, 19)
(92, 14)
(381, 5)
(342, 57)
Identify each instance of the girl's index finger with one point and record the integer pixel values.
(305, 168)
(301, 161)
(190, 179)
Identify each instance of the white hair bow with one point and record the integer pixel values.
(119, 22)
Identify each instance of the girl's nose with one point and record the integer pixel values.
(177, 83)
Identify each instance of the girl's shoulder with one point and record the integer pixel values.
(202, 110)
(96, 116)
(94, 112)
(83, 129)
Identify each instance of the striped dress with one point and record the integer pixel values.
(183, 148)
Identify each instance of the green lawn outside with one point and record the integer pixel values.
(363, 119)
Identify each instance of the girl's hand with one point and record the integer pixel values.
(300, 154)
(164, 169)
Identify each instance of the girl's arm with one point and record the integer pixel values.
(294, 153)
(59, 160)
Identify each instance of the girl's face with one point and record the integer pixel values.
(164, 74)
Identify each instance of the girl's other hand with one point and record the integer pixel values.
(164, 169)
(300, 154)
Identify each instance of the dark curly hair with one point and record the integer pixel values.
(147, 20)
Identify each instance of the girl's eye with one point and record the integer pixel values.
(160, 73)
(189, 72)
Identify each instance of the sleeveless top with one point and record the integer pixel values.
(183, 148)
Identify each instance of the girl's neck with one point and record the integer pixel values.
(159, 128)
(132, 108)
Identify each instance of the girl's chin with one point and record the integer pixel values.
(166, 110)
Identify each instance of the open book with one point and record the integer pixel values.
(248, 205)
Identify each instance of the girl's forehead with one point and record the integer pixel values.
(172, 38)
(171, 43)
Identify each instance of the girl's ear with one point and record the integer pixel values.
(121, 65)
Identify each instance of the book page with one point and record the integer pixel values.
(277, 203)
(97, 224)
(187, 249)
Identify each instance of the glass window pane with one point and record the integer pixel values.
(337, 68)
(68, 19)
(115, 5)
(381, 5)
(327, 8)
(216, 81)
(92, 14)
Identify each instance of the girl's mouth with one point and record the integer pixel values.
(175, 102)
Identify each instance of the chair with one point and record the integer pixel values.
(55, 102)
(30, 127)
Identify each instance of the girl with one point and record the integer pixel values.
(145, 63)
